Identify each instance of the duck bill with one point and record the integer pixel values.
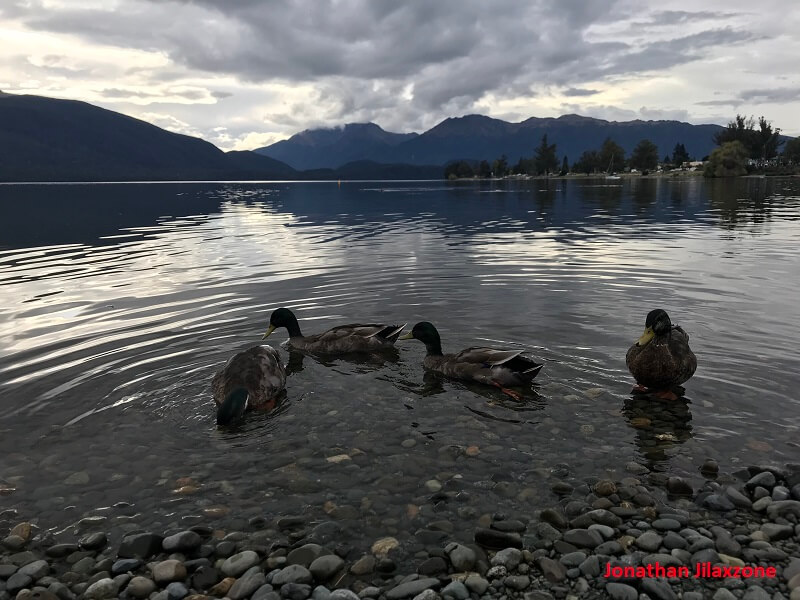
(647, 337)
(408, 336)
(269, 332)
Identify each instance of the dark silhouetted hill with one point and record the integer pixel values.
(331, 148)
(46, 139)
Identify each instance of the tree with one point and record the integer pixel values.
(680, 155)
(645, 156)
(564, 166)
(728, 160)
(612, 156)
(545, 157)
(500, 166)
(791, 152)
(458, 170)
(768, 141)
(589, 162)
(484, 169)
(760, 144)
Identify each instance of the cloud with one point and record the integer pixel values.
(265, 70)
(579, 92)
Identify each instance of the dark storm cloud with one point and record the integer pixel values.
(579, 92)
(776, 95)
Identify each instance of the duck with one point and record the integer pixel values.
(252, 379)
(490, 366)
(344, 339)
(661, 359)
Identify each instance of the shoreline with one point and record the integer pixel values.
(734, 524)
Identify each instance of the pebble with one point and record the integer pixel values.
(237, 564)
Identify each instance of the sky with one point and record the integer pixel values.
(247, 73)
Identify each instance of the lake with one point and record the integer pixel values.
(120, 301)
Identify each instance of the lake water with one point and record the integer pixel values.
(119, 302)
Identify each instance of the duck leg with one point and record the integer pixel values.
(640, 389)
(515, 395)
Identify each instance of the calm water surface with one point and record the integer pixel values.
(119, 302)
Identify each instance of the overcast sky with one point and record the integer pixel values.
(246, 73)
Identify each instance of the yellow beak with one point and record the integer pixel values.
(408, 336)
(269, 332)
(647, 336)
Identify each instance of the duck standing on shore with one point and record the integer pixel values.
(343, 339)
(500, 368)
(254, 378)
(661, 359)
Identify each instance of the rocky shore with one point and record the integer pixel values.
(583, 547)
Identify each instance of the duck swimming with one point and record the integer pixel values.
(661, 359)
(338, 340)
(254, 378)
(500, 368)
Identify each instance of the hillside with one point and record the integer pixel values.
(331, 148)
(477, 137)
(46, 139)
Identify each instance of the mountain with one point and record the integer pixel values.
(477, 137)
(47, 139)
(331, 148)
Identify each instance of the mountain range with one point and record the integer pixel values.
(47, 139)
(477, 137)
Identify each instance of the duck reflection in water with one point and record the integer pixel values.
(660, 426)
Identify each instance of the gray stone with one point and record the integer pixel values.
(292, 574)
(737, 497)
(295, 591)
(104, 588)
(454, 589)
(237, 564)
(762, 503)
(583, 538)
(783, 508)
(363, 566)
(516, 582)
(604, 530)
(491, 538)
(17, 582)
(35, 570)
(411, 588)
(325, 567)
(461, 557)
(718, 502)
(125, 565)
(368, 592)
(572, 559)
(427, 595)
(140, 587)
(304, 555)
(182, 542)
(266, 592)
(666, 525)
(772, 530)
(649, 541)
(723, 594)
(432, 566)
(7, 571)
(140, 545)
(93, 541)
(509, 558)
(247, 584)
(553, 571)
(168, 571)
(780, 492)
(621, 591)
(765, 479)
(657, 589)
(476, 584)
(176, 591)
(538, 595)
(755, 592)
(591, 566)
(343, 594)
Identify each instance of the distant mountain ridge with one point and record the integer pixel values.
(333, 147)
(478, 137)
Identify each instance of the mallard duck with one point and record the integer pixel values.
(339, 340)
(500, 368)
(661, 359)
(254, 378)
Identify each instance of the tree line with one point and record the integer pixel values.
(745, 144)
